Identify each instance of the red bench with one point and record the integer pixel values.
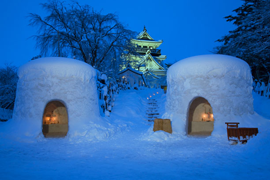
(237, 134)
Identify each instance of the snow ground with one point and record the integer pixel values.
(134, 152)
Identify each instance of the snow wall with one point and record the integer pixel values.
(225, 81)
(69, 81)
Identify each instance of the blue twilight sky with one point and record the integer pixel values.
(187, 27)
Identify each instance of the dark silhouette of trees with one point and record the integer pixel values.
(250, 40)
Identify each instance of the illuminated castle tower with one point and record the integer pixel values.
(148, 59)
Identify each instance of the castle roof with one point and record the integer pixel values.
(149, 56)
(129, 68)
(144, 35)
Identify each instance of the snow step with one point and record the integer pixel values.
(151, 110)
(152, 117)
(152, 114)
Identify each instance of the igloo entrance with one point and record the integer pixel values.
(200, 117)
(55, 120)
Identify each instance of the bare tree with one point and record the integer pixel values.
(97, 39)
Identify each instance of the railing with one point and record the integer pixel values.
(262, 89)
(153, 51)
(5, 114)
(107, 99)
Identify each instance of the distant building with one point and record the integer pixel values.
(148, 59)
(133, 77)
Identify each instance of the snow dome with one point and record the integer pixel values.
(56, 96)
(204, 91)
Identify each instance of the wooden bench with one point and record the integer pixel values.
(237, 134)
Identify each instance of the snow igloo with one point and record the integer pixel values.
(206, 91)
(55, 97)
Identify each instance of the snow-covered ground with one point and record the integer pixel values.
(132, 151)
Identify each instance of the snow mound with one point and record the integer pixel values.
(158, 136)
(224, 81)
(67, 81)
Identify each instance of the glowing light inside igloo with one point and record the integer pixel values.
(55, 120)
(200, 117)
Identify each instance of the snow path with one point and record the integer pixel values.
(133, 153)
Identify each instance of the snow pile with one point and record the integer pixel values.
(69, 81)
(157, 136)
(224, 81)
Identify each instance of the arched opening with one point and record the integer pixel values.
(55, 120)
(124, 79)
(200, 118)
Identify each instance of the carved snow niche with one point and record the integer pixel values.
(55, 120)
(200, 119)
